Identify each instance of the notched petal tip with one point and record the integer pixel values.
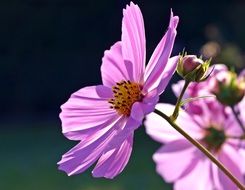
(174, 20)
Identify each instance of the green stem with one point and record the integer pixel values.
(178, 103)
(237, 118)
(202, 149)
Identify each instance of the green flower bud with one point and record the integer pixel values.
(230, 90)
(192, 69)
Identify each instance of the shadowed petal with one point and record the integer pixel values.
(86, 109)
(112, 162)
(137, 112)
(231, 126)
(141, 109)
(168, 161)
(204, 110)
(113, 68)
(155, 68)
(133, 40)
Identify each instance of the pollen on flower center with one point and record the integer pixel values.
(126, 93)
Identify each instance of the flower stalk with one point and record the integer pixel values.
(175, 114)
(201, 148)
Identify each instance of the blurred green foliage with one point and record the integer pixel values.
(29, 155)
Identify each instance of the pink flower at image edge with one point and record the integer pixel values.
(179, 162)
(103, 118)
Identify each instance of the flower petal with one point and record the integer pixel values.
(168, 73)
(199, 178)
(113, 68)
(177, 87)
(112, 162)
(231, 159)
(168, 161)
(124, 132)
(137, 112)
(232, 127)
(160, 130)
(133, 40)
(156, 66)
(242, 153)
(203, 111)
(83, 155)
(87, 108)
(241, 107)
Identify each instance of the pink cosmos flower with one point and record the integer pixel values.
(181, 163)
(220, 73)
(103, 118)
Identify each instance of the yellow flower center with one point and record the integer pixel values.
(125, 94)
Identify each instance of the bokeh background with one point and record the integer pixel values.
(51, 48)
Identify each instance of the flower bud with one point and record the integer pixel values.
(192, 69)
(230, 89)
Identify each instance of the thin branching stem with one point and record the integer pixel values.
(202, 149)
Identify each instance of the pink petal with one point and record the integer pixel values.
(133, 40)
(162, 131)
(112, 162)
(113, 68)
(242, 153)
(124, 132)
(167, 158)
(83, 155)
(168, 73)
(232, 127)
(231, 159)
(208, 108)
(199, 178)
(137, 112)
(89, 133)
(241, 108)
(159, 129)
(156, 66)
(177, 87)
(151, 97)
(87, 108)
(217, 68)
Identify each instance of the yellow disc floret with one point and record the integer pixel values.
(126, 93)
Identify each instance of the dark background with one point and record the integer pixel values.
(51, 48)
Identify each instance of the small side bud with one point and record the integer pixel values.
(229, 90)
(192, 69)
